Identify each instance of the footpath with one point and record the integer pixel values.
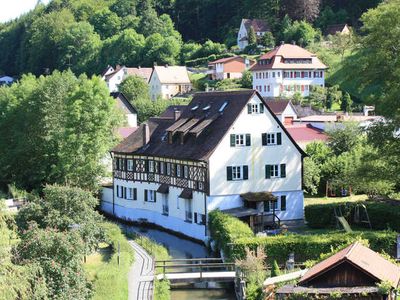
(141, 274)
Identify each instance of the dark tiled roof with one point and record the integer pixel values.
(258, 25)
(170, 111)
(202, 136)
(333, 29)
(186, 194)
(278, 107)
(123, 102)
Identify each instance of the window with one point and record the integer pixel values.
(270, 205)
(305, 74)
(165, 207)
(238, 140)
(201, 185)
(178, 170)
(269, 88)
(297, 74)
(150, 196)
(269, 139)
(275, 171)
(177, 202)
(186, 171)
(130, 164)
(283, 203)
(151, 166)
(273, 74)
(237, 173)
(199, 219)
(255, 108)
(188, 210)
(162, 167)
(156, 167)
(132, 194)
(168, 168)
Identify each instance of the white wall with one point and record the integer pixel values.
(242, 33)
(115, 81)
(132, 120)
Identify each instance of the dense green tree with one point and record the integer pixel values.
(124, 8)
(106, 23)
(134, 88)
(311, 176)
(302, 33)
(189, 51)
(59, 255)
(268, 40)
(247, 80)
(333, 95)
(344, 138)
(55, 129)
(317, 96)
(319, 152)
(301, 9)
(160, 50)
(251, 36)
(346, 103)
(275, 271)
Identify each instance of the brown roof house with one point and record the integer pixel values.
(175, 169)
(354, 273)
(337, 28)
(168, 81)
(260, 28)
(229, 67)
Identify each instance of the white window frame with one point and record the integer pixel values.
(178, 170)
(168, 168)
(151, 196)
(185, 171)
(201, 185)
(275, 171)
(162, 168)
(237, 172)
(129, 165)
(272, 204)
(151, 166)
(271, 139)
(129, 194)
(240, 140)
(255, 107)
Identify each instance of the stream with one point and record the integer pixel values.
(182, 248)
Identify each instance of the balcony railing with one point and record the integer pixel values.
(165, 209)
(189, 216)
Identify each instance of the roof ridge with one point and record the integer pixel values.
(352, 246)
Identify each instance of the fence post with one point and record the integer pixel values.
(164, 268)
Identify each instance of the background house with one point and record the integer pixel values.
(337, 28)
(6, 80)
(114, 77)
(230, 67)
(169, 81)
(286, 70)
(260, 28)
(126, 107)
(284, 110)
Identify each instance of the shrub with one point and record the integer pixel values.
(306, 247)
(225, 230)
(275, 271)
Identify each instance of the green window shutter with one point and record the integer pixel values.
(249, 108)
(283, 203)
(266, 206)
(146, 166)
(261, 108)
(124, 196)
(125, 164)
(145, 195)
(279, 138)
(135, 194)
(283, 170)
(245, 172)
(233, 140)
(229, 173)
(267, 171)
(248, 139)
(155, 196)
(264, 139)
(195, 218)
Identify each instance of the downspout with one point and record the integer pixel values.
(113, 186)
(207, 192)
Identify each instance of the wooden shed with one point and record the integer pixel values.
(353, 273)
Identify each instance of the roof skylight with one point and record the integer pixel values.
(221, 109)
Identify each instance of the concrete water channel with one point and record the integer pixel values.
(179, 248)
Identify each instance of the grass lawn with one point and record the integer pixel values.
(110, 280)
(309, 200)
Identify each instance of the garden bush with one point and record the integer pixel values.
(225, 230)
(306, 247)
(382, 214)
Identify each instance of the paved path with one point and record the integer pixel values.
(140, 277)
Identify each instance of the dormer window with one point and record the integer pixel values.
(221, 109)
(207, 107)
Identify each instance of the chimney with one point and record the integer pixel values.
(293, 42)
(282, 42)
(166, 66)
(146, 134)
(177, 114)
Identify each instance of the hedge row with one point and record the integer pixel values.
(226, 230)
(310, 247)
(383, 215)
(205, 60)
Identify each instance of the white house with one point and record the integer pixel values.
(225, 150)
(229, 67)
(260, 28)
(126, 107)
(287, 69)
(284, 110)
(6, 80)
(168, 81)
(114, 76)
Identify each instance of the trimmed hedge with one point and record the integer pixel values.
(226, 230)
(383, 215)
(310, 247)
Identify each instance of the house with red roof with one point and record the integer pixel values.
(284, 110)
(260, 28)
(304, 134)
(229, 67)
(286, 70)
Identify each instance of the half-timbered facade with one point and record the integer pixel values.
(173, 170)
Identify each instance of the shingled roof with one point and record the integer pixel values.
(257, 24)
(335, 28)
(203, 123)
(362, 257)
